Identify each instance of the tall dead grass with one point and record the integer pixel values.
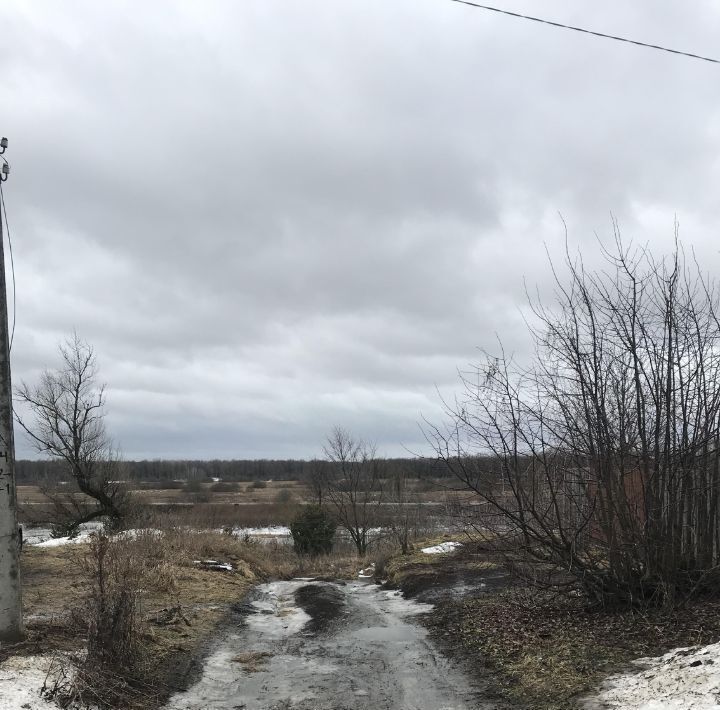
(114, 671)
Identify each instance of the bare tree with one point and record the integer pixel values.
(405, 510)
(600, 463)
(353, 485)
(317, 480)
(68, 424)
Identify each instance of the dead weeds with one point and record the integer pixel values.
(253, 661)
(181, 603)
(545, 651)
(537, 650)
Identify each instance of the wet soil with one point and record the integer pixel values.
(326, 645)
(323, 603)
(455, 579)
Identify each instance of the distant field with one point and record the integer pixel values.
(162, 495)
(222, 503)
(207, 504)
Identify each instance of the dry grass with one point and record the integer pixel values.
(244, 494)
(253, 661)
(54, 582)
(216, 515)
(249, 505)
(413, 570)
(538, 650)
(545, 651)
(51, 578)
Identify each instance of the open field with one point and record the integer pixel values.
(217, 504)
(175, 492)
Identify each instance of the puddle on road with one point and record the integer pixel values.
(327, 646)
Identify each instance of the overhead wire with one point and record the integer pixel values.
(586, 31)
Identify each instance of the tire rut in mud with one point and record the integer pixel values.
(324, 603)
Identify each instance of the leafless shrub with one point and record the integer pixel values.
(601, 462)
(79, 686)
(408, 517)
(113, 672)
(115, 579)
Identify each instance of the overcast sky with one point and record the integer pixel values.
(270, 217)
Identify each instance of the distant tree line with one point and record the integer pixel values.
(41, 471)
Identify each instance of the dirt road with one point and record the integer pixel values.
(306, 645)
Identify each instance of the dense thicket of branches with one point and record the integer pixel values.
(607, 449)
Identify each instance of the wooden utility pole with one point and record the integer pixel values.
(11, 624)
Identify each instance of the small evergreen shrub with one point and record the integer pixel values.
(313, 530)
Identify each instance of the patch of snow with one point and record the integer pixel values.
(215, 565)
(42, 537)
(21, 678)
(79, 539)
(270, 531)
(368, 572)
(39, 536)
(278, 614)
(391, 601)
(223, 566)
(441, 548)
(683, 679)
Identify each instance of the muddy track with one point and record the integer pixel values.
(308, 645)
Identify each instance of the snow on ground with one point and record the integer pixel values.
(368, 572)
(270, 531)
(42, 537)
(684, 679)
(442, 547)
(279, 615)
(21, 678)
(79, 539)
(215, 565)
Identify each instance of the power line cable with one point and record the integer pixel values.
(586, 31)
(12, 264)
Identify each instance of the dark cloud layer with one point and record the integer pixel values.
(273, 217)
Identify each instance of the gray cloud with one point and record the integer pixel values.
(273, 217)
